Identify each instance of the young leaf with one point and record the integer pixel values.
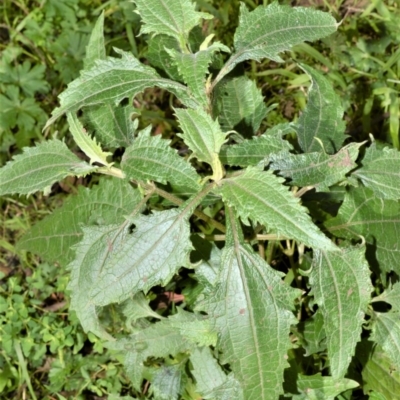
(380, 171)
(250, 308)
(174, 18)
(95, 49)
(151, 158)
(87, 144)
(391, 296)
(262, 197)
(37, 168)
(203, 136)
(107, 203)
(377, 220)
(112, 80)
(312, 334)
(321, 121)
(252, 152)
(316, 169)
(342, 289)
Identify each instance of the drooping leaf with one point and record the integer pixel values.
(316, 169)
(37, 168)
(107, 203)
(342, 289)
(252, 152)
(261, 196)
(151, 158)
(203, 136)
(377, 220)
(95, 49)
(239, 105)
(321, 122)
(380, 171)
(391, 296)
(112, 80)
(250, 309)
(268, 31)
(166, 382)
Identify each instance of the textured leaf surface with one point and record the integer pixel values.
(321, 121)
(166, 383)
(112, 80)
(262, 197)
(316, 169)
(268, 31)
(342, 288)
(151, 158)
(203, 136)
(377, 220)
(96, 49)
(250, 308)
(253, 151)
(37, 168)
(380, 171)
(107, 203)
(312, 334)
(391, 296)
(239, 105)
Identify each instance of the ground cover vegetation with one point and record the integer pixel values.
(217, 215)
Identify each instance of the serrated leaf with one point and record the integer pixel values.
(250, 308)
(380, 171)
(203, 136)
(252, 152)
(108, 202)
(95, 49)
(151, 158)
(166, 382)
(137, 307)
(229, 390)
(312, 334)
(239, 105)
(391, 296)
(175, 18)
(112, 80)
(377, 220)
(322, 119)
(87, 144)
(316, 169)
(386, 332)
(261, 196)
(341, 286)
(37, 168)
(268, 31)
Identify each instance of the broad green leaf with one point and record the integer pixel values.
(312, 334)
(166, 382)
(268, 31)
(87, 144)
(37, 168)
(380, 171)
(203, 136)
(262, 197)
(112, 80)
(106, 203)
(377, 220)
(250, 309)
(317, 387)
(386, 332)
(391, 296)
(229, 390)
(321, 126)
(151, 158)
(252, 152)
(341, 286)
(239, 105)
(95, 49)
(175, 18)
(316, 169)
(137, 307)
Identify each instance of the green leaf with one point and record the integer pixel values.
(112, 80)
(321, 121)
(175, 18)
(138, 307)
(95, 49)
(316, 169)
(166, 382)
(151, 158)
(107, 203)
(203, 136)
(380, 171)
(239, 105)
(391, 296)
(312, 334)
(229, 390)
(250, 308)
(37, 168)
(262, 197)
(268, 31)
(341, 285)
(252, 152)
(377, 220)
